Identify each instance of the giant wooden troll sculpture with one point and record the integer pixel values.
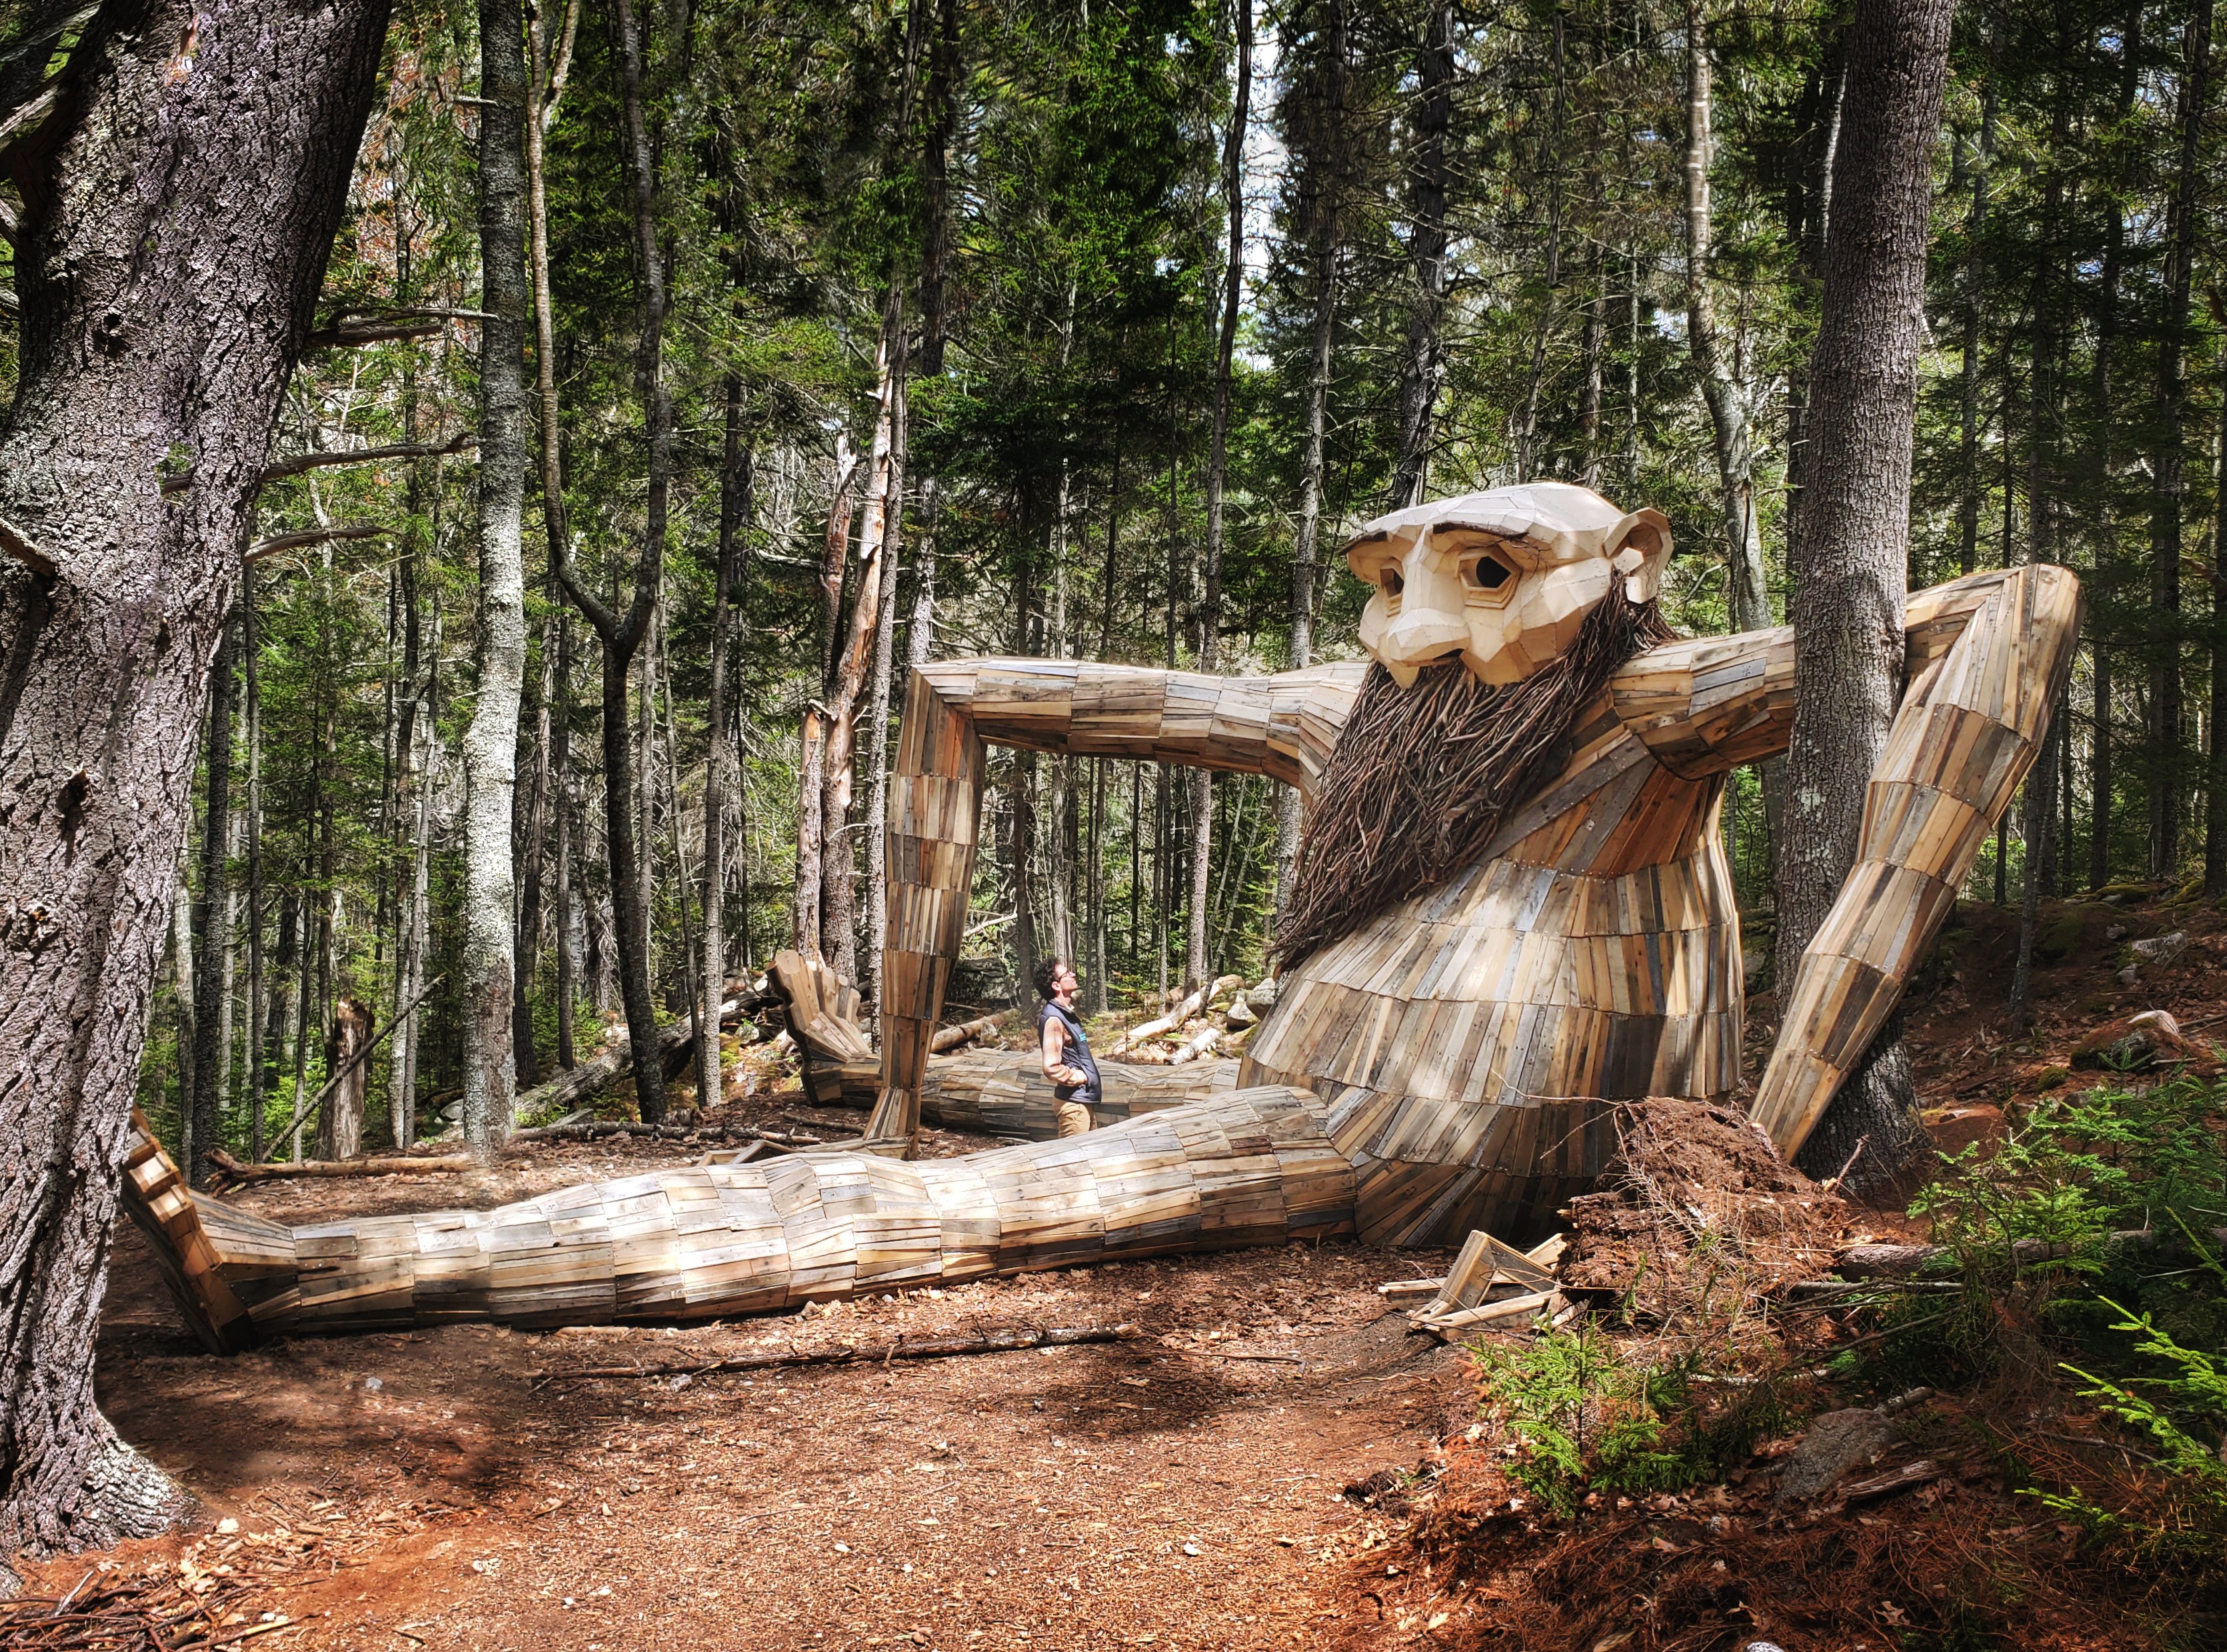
(1512, 909)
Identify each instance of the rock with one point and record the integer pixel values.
(1242, 1012)
(2061, 939)
(1263, 994)
(2115, 932)
(2161, 949)
(2134, 1042)
(2126, 976)
(1837, 1442)
(1755, 970)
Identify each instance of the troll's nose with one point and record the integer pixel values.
(1430, 623)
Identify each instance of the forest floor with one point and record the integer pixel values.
(1229, 1479)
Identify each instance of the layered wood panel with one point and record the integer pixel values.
(839, 1065)
(695, 1241)
(230, 1270)
(1468, 1040)
(1968, 728)
(1004, 1092)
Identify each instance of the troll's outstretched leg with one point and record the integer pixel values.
(1250, 1167)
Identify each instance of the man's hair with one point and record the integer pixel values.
(1047, 977)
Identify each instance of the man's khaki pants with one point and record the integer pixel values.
(1074, 1118)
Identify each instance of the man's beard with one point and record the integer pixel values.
(1421, 778)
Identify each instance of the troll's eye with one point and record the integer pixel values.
(1391, 581)
(1487, 573)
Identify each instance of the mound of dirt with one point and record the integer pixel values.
(1697, 1191)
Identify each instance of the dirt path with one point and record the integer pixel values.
(434, 1490)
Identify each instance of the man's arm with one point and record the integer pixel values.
(1284, 726)
(1055, 1050)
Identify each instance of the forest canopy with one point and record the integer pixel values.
(935, 373)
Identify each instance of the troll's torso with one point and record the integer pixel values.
(1468, 1038)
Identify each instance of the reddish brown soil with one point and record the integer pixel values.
(1166, 1491)
(1154, 1493)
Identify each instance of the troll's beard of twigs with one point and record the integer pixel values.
(1422, 777)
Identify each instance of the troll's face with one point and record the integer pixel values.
(1504, 579)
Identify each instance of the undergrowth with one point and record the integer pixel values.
(2082, 1277)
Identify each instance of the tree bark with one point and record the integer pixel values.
(547, 86)
(1725, 396)
(2168, 465)
(1424, 363)
(1326, 172)
(812, 826)
(719, 754)
(1217, 476)
(179, 210)
(257, 1005)
(622, 634)
(1852, 554)
(875, 558)
(490, 981)
(216, 913)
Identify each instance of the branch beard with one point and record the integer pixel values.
(1422, 777)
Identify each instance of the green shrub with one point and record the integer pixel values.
(1583, 1417)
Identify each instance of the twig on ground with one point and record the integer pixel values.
(1006, 1341)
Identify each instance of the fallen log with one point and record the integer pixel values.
(928, 1348)
(591, 1078)
(602, 1127)
(389, 1166)
(1202, 1045)
(966, 1032)
(1175, 1017)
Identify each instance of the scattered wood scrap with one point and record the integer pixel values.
(1492, 1283)
(1007, 1341)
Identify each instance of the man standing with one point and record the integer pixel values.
(1067, 1059)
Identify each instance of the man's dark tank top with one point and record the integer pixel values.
(1075, 1053)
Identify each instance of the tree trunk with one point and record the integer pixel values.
(935, 257)
(257, 1005)
(1217, 475)
(548, 85)
(1592, 352)
(526, 957)
(1852, 549)
(185, 998)
(622, 634)
(340, 1125)
(209, 1017)
(811, 825)
(2215, 780)
(1326, 173)
(490, 981)
(179, 210)
(1424, 363)
(1726, 397)
(719, 756)
(2169, 462)
(876, 586)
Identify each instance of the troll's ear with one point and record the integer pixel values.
(1639, 549)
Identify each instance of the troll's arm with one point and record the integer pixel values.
(1282, 726)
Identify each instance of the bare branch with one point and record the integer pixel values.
(262, 548)
(13, 542)
(300, 463)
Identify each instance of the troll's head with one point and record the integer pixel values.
(1504, 579)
